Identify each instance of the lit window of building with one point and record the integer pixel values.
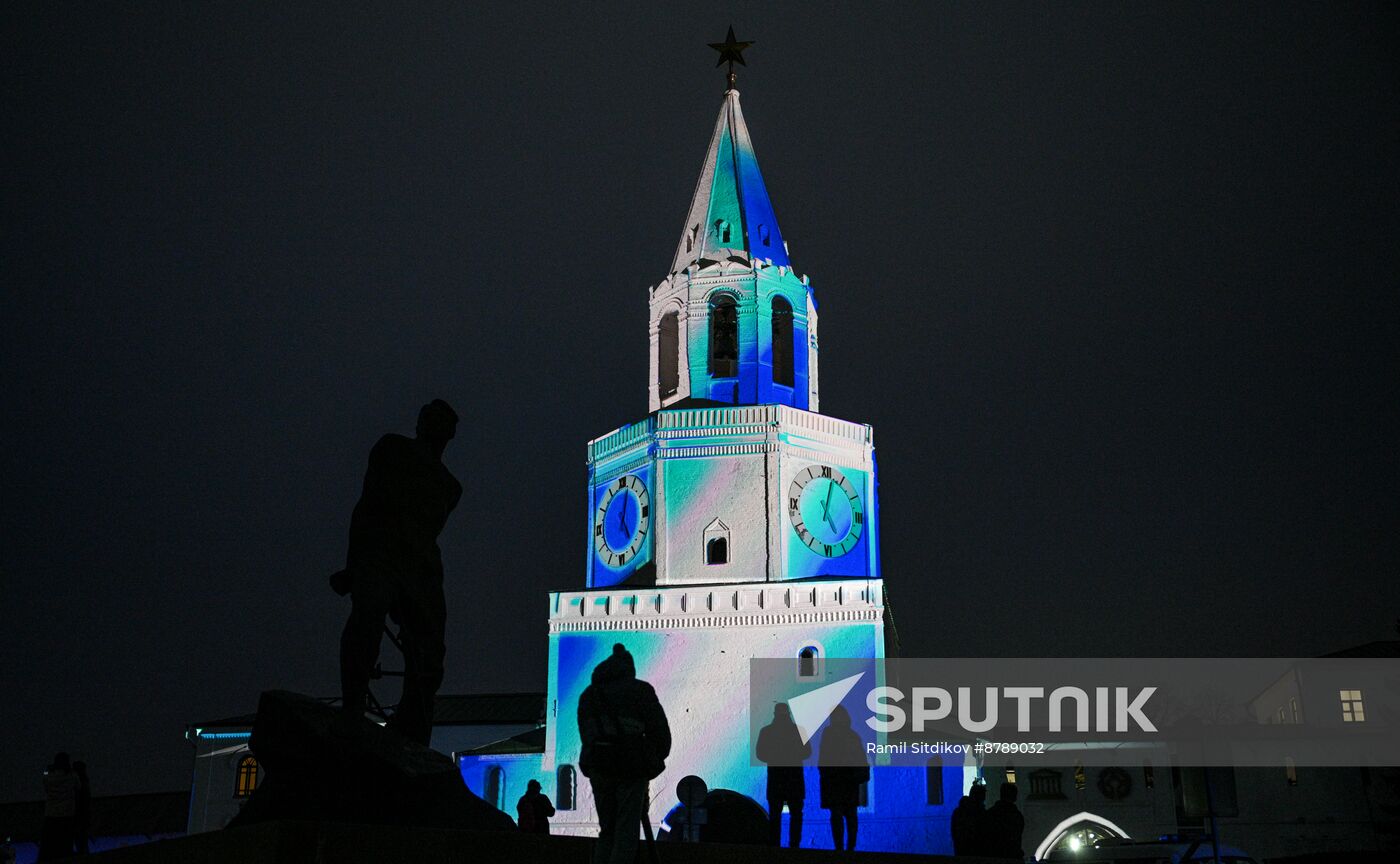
(246, 780)
(1353, 711)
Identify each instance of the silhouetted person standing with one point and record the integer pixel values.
(626, 740)
(60, 805)
(394, 567)
(533, 810)
(781, 748)
(82, 809)
(842, 768)
(969, 821)
(1005, 825)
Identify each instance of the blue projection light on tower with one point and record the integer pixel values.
(733, 522)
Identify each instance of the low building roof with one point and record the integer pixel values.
(526, 742)
(464, 709)
(1383, 648)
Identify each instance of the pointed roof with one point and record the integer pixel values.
(730, 199)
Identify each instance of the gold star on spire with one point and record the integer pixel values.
(732, 51)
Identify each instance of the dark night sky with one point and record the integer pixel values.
(1116, 284)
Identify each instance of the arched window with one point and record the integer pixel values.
(246, 780)
(717, 551)
(809, 662)
(668, 348)
(1079, 831)
(716, 542)
(724, 337)
(933, 782)
(782, 342)
(722, 230)
(565, 786)
(495, 787)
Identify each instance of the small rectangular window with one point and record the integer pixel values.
(1353, 710)
(566, 786)
(933, 782)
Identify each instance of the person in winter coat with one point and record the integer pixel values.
(82, 810)
(1005, 825)
(533, 810)
(968, 825)
(60, 806)
(781, 748)
(626, 740)
(842, 768)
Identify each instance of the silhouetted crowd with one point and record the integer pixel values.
(842, 771)
(67, 810)
(626, 740)
(993, 832)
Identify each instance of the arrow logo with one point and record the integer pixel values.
(810, 710)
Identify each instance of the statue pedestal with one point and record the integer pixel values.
(325, 765)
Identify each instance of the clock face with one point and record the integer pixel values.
(826, 511)
(620, 523)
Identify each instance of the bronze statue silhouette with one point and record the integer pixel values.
(394, 567)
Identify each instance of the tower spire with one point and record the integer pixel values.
(731, 51)
(730, 213)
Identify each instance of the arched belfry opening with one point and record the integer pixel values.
(668, 350)
(724, 337)
(782, 342)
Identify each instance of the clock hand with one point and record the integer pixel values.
(622, 513)
(826, 506)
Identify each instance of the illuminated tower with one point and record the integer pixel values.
(733, 522)
(734, 477)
